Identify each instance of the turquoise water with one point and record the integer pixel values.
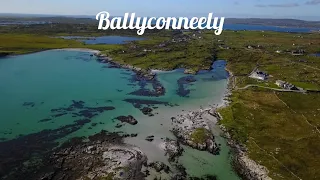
(37, 87)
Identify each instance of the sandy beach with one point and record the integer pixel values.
(79, 49)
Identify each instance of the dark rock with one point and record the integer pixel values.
(160, 166)
(28, 104)
(150, 138)
(59, 115)
(45, 120)
(13, 153)
(147, 111)
(128, 119)
(118, 126)
(4, 54)
(139, 103)
(147, 173)
(182, 82)
(181, 174)
(134, 135)
(173, 149)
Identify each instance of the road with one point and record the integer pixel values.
(275, 89)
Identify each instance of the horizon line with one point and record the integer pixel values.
(230, 16)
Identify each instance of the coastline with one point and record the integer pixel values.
(79, 49)
(152, 73)
(54, 49)
(242, 164)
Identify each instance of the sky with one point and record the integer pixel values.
(297, 9)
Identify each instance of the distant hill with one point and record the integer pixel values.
(275, 22)
(78, 19)
(55, 19)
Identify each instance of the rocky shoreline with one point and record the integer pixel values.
(194, 129)
(148, 74)
(199, 122)
(100, 156)
(243, 165)
(142, 73)
(105, 155)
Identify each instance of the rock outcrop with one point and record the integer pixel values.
(97, 159)
(150, 138)
(245, 167)
(189, 71)
(193, 129)
(123, 162)
(147, 111)
(249, 169)
(128, 119)
(160, 166)
(172, 149)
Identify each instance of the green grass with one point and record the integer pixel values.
(28, 43)
(195, 54)
(200, 135)
(273, 124)
(110, 176)
(259, 119)
(306, 85)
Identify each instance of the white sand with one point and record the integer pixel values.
(79, 49)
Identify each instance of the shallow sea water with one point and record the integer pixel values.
(33, 85)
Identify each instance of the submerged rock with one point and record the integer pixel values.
(150, 138)
(31, 148)
(118, 126)
(182, 82)
(29, 104)
(147, 111)
(128, 119)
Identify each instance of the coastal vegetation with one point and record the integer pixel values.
(280, 129)
(200, 135)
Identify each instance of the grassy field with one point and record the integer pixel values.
(280, 129)
(161, 50)
(28, 43)
(162, 53)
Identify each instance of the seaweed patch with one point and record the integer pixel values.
(78, 109)
(182, 82)
(29, 104)
(16, 151)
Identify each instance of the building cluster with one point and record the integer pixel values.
(260, 75)
(286, 85)
(254, 47)
(298, 52)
